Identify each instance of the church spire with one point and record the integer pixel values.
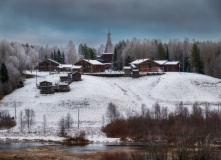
(109, 46)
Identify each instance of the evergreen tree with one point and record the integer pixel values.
(167, 54)
(59, 59)
(195, 58)
(161, 52)
(92, 53)
(115, 59)
(52, 56)
(20, 84)
(128, 60)
(55, 56)
(4, 73)
(63, 58)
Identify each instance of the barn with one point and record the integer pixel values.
(91, 66)
(48, 65)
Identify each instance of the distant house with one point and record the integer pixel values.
(64, 67)
(77, 69)
(46, 87)
(75, 76)
(63, 87)
(64, 77)
(172, 66)
(91, 66)
(144, 65)
(48, 65)
(127, 70)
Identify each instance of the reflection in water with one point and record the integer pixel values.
(90, 148)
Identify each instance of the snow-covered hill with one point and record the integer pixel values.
(93, 94)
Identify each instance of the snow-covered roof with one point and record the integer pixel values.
(63, 84)
(76, 67)
(65, 66)
(107, 53)
(138, 61)
(135, 70)
(107, 63)
(94, 62)
(63, 75)
(133, 66)
(160, 62)
(172, 63)
(127, 67)
(52, 61)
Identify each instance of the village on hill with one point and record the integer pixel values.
(103, 66)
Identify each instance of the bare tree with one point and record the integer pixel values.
(29, 118)
(68, 121)
(62, 128)
(21, 122)
(112, 113)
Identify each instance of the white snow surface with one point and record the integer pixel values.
(93, 94)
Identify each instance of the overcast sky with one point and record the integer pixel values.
(55, 22)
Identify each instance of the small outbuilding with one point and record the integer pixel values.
(135, 73)
(63, 87)
(46, 87)
(77, 69)
(64, 77)
(76, 76)
(127, 70)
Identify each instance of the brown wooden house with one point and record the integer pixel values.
(172, 66)
(77, 69)
(76, 76)
(48, 65)
(64, 67)
(63, 87)
(64, 77)
(46, 87)
(127, 70)
(144, 65)
(91, 66)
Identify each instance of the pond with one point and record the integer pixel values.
(90, 148)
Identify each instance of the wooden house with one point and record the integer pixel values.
(172, 66)
(91, 66)
(144, 65)
(46, 87)
(127, 70)
(64, 77)
(48, 65)
(77, 69)
(64, 67)
(135, 73)
(63, 87)
(76, 76)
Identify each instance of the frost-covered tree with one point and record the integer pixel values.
(71, 54)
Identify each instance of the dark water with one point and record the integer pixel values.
(90, 148)
(14, 145)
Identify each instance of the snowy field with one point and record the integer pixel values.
(93, 94)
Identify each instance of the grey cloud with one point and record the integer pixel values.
(90, 17)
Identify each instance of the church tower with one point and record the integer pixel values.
(109, 46)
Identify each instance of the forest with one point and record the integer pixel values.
(202, 57)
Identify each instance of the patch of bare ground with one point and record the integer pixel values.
(52, 153)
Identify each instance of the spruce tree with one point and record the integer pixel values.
(63, 58)
(59, 56)
(167, 54)
(195, 58)
(4, 73)
(161, 52)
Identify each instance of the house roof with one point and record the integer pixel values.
(94, 62)
(133, 66)
(63, 75)
(45, 81)
(160, 62)
(63, 84)
(135, 70)
(65, 66)
(138, 61)
(172, 63)
(76, 67)
(127, 67)
(52, 61)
